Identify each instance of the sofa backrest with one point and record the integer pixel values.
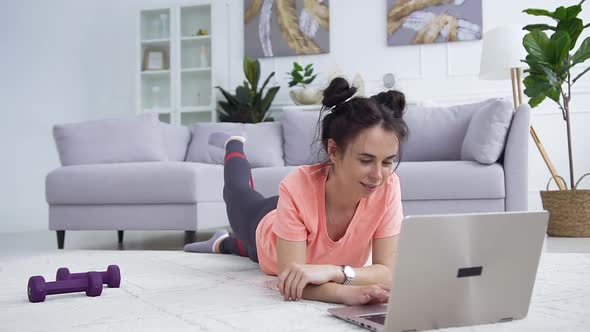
(264, 142)
(176, 140)
(127, 139)
(436, 133)
(301, 137)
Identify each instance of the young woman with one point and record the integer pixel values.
(317, 234)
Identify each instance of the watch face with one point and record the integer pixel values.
(349, 272)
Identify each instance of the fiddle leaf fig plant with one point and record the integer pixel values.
(551, 59)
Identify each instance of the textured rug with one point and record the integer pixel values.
(167, 290)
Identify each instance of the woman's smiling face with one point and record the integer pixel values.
(367, 162)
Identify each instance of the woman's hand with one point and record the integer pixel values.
(293, 279)
(359, 295)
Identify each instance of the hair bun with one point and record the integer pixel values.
(393, 100)
(337, 92)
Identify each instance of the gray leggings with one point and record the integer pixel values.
(245, 206)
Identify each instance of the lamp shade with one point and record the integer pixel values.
(502, 50)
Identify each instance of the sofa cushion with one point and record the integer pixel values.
(176, 140)
(128, 139)
(266, 179)
(126, 183)
(437, 133)
(301, 134)
(486, 134)
(442, 180)
(264, 142)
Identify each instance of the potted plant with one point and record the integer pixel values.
(250, 104)
(551, 60)
(302, 77)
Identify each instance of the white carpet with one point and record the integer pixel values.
(167, 290)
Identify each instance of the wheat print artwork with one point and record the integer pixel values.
(286, 27)
(412, 22)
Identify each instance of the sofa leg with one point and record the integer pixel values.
(61, 236)
(120, 236)
(190, 236)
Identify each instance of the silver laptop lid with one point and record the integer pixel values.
(465, 269)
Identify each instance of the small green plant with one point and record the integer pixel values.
(249, 104)
(301, 75)
(550, 62)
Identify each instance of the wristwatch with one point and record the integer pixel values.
(348, 274)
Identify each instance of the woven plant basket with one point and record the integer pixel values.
(569, 210)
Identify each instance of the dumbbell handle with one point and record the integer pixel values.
(83, 275)
(66, 286)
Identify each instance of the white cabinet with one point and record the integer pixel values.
(178, 60)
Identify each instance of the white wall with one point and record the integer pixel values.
(69, 60)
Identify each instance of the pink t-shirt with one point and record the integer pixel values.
(301, 216)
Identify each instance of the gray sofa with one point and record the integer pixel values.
(140, 174)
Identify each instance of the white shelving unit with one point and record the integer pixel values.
(183, 91)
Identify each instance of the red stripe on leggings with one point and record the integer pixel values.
(234, 154)
(239, 155)
(241, 248)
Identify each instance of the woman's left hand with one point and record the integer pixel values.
(295, 277)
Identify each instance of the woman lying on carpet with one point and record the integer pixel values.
(317, 234)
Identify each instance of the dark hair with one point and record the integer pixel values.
(347, 116)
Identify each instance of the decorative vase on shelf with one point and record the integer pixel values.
(155, 97)
(156, 28)
(164, 25)
(306, 96)
(204, 56)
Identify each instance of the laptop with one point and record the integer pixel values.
(458, 270)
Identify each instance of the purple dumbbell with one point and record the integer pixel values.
(38, 289)
(111, 277)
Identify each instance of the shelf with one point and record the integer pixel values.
(155, 72)
(155, 41)
(196, 38)
(158, 110)
(196, 109)
(182, 91)
(196, 70)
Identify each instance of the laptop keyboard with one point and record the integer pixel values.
(378, 318)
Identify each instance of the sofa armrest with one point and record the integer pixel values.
(516, 157)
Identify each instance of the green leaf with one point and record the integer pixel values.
(309, 66)
(557, 48)
(535, 42)
(560, 13)
(252, 71)
(297, 66)
(309, 80)
(539, 12)
(536, 85)
(292, 84)
(573, 27)
(225, 107)
(266, 81)
(270, 95)
(553, 93)
(308, 72)
(230, 99)
(242, 95)
(296, 75)
(573, 11)
(532, 27)
(535, 101)
(580, 75)
(583, 53)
